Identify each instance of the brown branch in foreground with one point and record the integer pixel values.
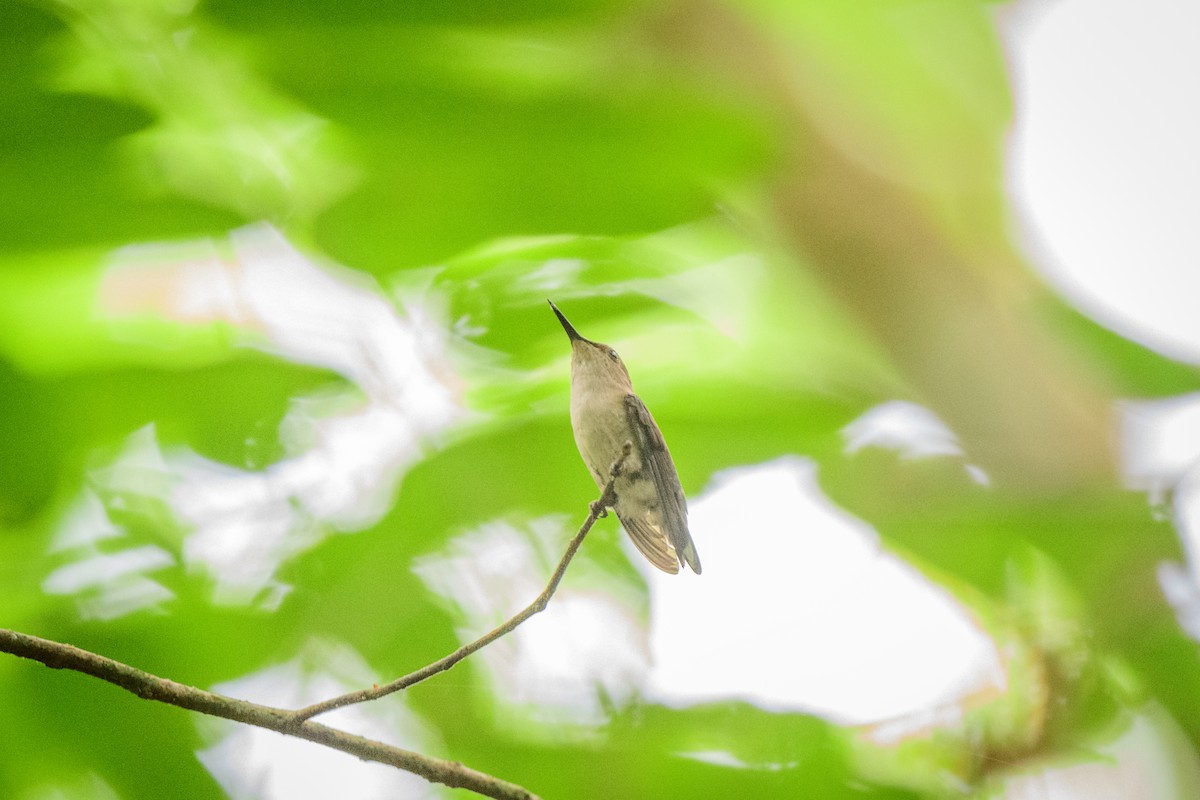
(151, 687)
(443, 664)
(57, 655)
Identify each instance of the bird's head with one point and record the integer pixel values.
(593, 361)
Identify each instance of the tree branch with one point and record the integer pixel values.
(151, 687)
(539, 604)
(57, 655)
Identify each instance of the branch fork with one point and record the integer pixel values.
(299, 722)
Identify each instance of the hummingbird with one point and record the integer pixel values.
(605, 414)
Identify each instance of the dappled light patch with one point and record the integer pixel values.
(911, 430)
(256, 764)
(808, 611)
(569, 666)
(346, 447)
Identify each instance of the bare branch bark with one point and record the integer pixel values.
(57, 655)
(151, 687)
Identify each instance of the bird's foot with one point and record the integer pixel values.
(599, 509)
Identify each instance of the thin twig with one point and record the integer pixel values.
(539, 604)
(152, 687)
(296, 723)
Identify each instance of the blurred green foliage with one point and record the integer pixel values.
(626, 154)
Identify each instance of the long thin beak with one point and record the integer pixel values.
(572, 334)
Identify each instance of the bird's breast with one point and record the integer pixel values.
(601, 428)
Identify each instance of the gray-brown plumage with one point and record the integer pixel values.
(605, 413)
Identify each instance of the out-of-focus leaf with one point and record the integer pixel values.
(1134, 370)
(1106, 546)
(724, 749)
(467, 134)
(229, 412)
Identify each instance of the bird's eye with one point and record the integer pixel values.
(613, 355)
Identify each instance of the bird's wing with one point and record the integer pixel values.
(651, 542)
(658, 467)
